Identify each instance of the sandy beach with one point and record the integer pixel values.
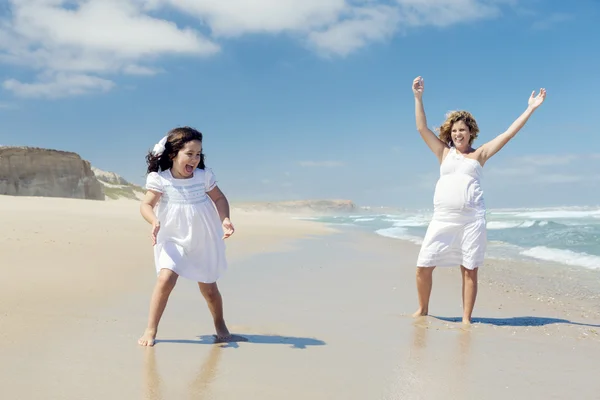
(324, 313)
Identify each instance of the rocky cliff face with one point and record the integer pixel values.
(27, 171)
(117, 187)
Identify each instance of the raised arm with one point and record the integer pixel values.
(432, 141)
(493, 146)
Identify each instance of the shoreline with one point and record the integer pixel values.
(325, 313)
(573, 289)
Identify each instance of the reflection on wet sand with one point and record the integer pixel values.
(463, 352)
(151, 377)
(200, 385)
(437, 364)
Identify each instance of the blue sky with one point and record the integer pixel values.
(310, 98)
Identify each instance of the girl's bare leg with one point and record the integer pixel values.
(424, 284)
(214, 300)
(164, 285)
(469, 290)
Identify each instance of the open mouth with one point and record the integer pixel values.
(189, 169)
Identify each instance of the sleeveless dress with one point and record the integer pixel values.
(190, 239)
(457, 232)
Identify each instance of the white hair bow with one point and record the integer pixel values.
(159, 147)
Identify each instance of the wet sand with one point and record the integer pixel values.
(324, 315)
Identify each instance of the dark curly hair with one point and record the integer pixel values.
(176, 139)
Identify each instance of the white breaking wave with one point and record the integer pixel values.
(553, 214)
(399, 233)
(563, 256)
(511, 224)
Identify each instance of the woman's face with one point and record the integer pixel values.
(461, 135)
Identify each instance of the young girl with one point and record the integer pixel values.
(187, 231)
(457, 232)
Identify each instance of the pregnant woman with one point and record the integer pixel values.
(457, 232)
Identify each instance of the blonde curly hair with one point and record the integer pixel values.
(453, 117)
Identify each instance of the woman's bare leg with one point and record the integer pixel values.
(424, 284)
(469, 290)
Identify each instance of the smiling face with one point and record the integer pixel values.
(461, 136)
(459, 130)
(187, 159)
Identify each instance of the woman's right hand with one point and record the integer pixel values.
(418, 87)
(155, 229)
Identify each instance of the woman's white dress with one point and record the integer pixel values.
(457, 232)
(190, 239)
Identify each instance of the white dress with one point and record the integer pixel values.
(457, 232)
(190, 239)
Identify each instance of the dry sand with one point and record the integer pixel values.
(325, 314)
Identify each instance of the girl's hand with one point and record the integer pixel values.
(155, 229)
(535, 102)
(418, 87)
(227, 228)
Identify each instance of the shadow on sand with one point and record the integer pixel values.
(293, 342)
(516, 321)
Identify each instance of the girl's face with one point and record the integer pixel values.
(461, 136)
(187, 160)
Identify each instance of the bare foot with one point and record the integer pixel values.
(147, 338)
(222, 331)
(466, 321)
(420, 313)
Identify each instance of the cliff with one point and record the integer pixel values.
(117, 187)
(29, 171)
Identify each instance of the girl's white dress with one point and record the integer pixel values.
(457, 232)
(190, 239)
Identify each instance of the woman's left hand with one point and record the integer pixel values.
(227, 228)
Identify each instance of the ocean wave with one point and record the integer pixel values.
(568, 257)
(399, 233)
(408, 222)
(496, 225)
(553, 214)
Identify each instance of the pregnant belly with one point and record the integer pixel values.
(457, 192)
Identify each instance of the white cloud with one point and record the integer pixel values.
(322, 164)
(364, 25)
(561, 178)
(71, 43)
(443, 13)
(79, 46)
(547, 169)
(233, 18)
(551, 20)
(59, 85)
(548, 159)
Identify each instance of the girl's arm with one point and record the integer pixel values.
(221, 202)
(493, 146)
(147, 210)
(222, 206)
(147, 206)
(432, 141)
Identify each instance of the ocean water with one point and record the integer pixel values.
(570, 236)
